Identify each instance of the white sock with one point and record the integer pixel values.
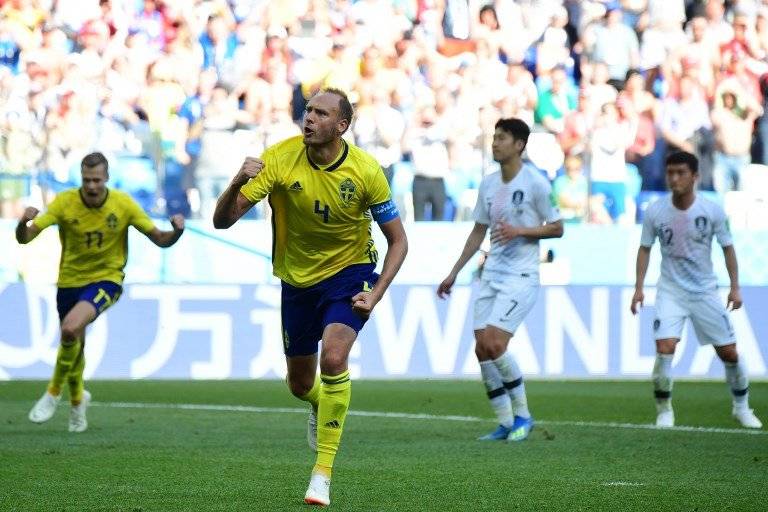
(739, 382)
(500, 402)
(662, 381)
(512, 378)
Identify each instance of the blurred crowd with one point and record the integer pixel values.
(177, 92)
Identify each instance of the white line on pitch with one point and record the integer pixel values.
(413, 416)
(622, 484)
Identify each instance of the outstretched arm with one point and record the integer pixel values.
(168, 238)
(475, 238)
(397, 248)
(232, 204)
(26, 231)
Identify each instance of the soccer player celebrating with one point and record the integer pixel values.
(685, 225)
(321, 189)
(93, 228)
(516, 202)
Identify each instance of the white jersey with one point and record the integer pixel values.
(686, 242)
(523, 202)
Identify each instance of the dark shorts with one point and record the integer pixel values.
(306, 312)
(101, 294)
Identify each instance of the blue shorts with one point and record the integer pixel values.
(101, 295)
(614, 196)
(306, 312)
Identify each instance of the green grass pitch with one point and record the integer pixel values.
(166, 458)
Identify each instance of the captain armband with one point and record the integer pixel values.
(384, 212)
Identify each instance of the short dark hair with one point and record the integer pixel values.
(487, 8)
(93, 159)
(632, 72)
(515, 127)
(685, 158)
(345, 107)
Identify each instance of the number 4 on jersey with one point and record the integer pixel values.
(325, 212)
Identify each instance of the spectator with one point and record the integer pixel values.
(685, 126)
(489, 31)
(21, 149)
(219, 43)
(718, 28)
(608, 167)
(517, 96)
(700, 57)
(660, 40)
(732, 123)
(554, 47)
(379, 130)
(555, 103)
(429, 155)
(571, 190)
(614, 43)
(10, 51)
(578, 125)
(219, 154)
(638, 106)
(599, 88)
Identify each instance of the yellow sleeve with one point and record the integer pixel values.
(257, 188)
(379, 189)
(52, 215)
(139, 218)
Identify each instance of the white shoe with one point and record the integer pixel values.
(44, 408)
(312, 429)
(77, 420)
(665, 419)
(747, 418)
(319, 490)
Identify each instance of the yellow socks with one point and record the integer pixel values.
(65, 362)
(335, 394)
(75, 379)
(313, 395)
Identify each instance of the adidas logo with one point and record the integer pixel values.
(296, 186)
(332, 424)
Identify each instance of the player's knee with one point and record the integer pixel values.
(666, 346)
(489, 348)
(300, 387)
(480, 352)
(728, 354)
(332, 363)
(493, 348)
(69, 333)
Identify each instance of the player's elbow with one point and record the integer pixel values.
(22, 236)
(221, 221)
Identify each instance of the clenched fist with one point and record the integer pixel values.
(250, 169)
(29, 213)
(177, 221)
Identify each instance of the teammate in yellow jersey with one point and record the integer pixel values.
(324, 192)
(93, 228)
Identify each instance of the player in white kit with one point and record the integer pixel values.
(516, 203)
(685, 224)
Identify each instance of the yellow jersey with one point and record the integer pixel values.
(94, 240)
(320, 218)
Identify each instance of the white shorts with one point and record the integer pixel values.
(707, 313)
(505, 304)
